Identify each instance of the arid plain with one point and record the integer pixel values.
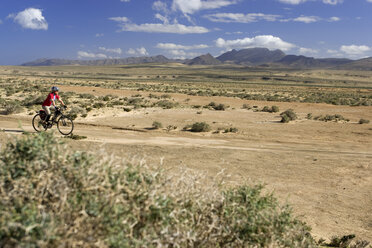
(320, 163)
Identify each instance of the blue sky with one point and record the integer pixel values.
(97, 29)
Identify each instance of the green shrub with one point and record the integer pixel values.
(219, 107)
(75, 137)
(98, 105)
(275, 109)
(200, 127)
(363, 121)
(53, 197)
(231, 130)
(165, 104)
(288, 115)
(246, 106)
(336, 118)
(309, 116)
(157, 125)
(12, 108)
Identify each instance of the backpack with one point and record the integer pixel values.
(42, 114)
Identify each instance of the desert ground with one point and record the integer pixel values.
(323, 169)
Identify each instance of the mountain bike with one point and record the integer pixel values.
(65, 125)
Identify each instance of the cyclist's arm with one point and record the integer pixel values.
(60, 100)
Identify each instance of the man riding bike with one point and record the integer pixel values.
(50, 102)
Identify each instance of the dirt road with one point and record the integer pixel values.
(324, 170)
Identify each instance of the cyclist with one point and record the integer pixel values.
(50, 102)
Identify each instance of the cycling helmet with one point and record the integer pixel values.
(55, 88)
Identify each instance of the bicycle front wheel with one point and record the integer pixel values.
(65, 125)
(38, 123)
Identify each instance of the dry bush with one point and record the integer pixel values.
(288, 115)
(53, 197)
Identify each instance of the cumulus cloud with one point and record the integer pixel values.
(307, 19)
(181, 54)
(255, 17)
(178, 51)
(30, 18)
(162, 18)
(241, 18)
(192, 6)
(172, 46)
(111, 50)
(333, 2)
(292, 1)
(160, 6)
(295, 2)
(87, 55)
(307, 51)
(138, 52)
(119, 19)
(334, 19)
(164, 28)
(267, 41)
(355, 50)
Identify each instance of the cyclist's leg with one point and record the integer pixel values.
(47, 111)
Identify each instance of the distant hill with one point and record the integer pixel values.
(361, 64)
(310, 62)
(251, 56)
(124, 61)
(206, 59)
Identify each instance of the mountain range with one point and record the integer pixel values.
(262, 57)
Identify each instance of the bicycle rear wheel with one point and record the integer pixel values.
(65, 125)
(37, 123)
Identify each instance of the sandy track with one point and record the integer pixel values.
(327, 181)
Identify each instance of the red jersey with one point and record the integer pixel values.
(48, 100)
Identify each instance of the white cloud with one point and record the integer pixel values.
(125, 1)
(295, 2)
(111, 50)
(267, 41)
(192, 6)
(242, 18)
(370, 1)
(307, 19)
(138, 52)
(31, 19)
(99, 35)
(334, 19)
(355, 50)
(307, 51)
(162, 18)
(334, 53)
(82, 55)
(292, 1)
(164, 28)
(119, 19)
(177, 51)
(160, 6)
(172, 46)
(180, 54)
(332, 2)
